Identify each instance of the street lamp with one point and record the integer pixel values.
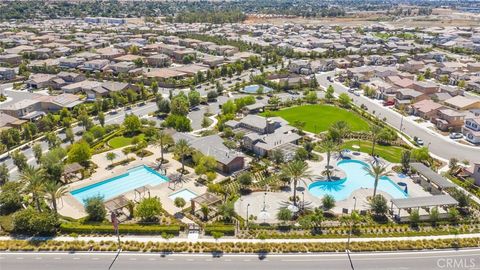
(264, 205)
(303, 200)
(350, 233)
(248, 205)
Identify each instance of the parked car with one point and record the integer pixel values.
(418, 141)
(356, 93)
(351, 90)
(388, 103)
(456, 135)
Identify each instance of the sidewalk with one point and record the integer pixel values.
(158, 239)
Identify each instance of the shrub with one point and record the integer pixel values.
(68, 228)
(95, 208)
(10, 200)
(179, 202)
(29, 221)
(220, 228)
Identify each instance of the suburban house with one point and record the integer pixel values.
(463, 103)
(426, 109)
(406, 96)
(7, 74)
(471, 129)
(425, 87)
(97, 64)
(449, 120)
(228, 160)
(159, 60)
(300, 67)
(264, 135)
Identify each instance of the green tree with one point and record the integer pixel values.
(53, 164)
(378, 205)
(434, 215)
(405, 160)
(19, 160)
(229, 107)
(328, 202)
(95, 208)
(374, 133)
(284, 215)
(149, 209)
(101, 118)
(194, 98)
(111, 156)
(182, 149)
(344, 100)
(132, 124)
(162, 139)
(179, 105)
(69, 136)
(329, 94)
(28, 221)
(55, 191)
(80, 152)
(4, 174)
(311, 97)
(414, 217)
(422, 155)
(377, 172)
(227, 211)
(37, 152)
(313, 220)
(296, 170)
(245, 179)
(328, 146)
(179, 202)
(338, 131)
(10, 199)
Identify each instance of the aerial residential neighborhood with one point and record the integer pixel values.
(227, 134)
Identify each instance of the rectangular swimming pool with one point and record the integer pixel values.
(110, 188)
(186, 194)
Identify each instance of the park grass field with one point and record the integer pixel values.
(121, 141)
(319, 118)
(389, 153)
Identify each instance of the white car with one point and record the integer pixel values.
(455, 136)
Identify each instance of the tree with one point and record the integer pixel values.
(69, 136)
(313, 220)
(296, 170)
(414, 217)
(311, 97)
(284, 215)
(377, 172)
(149, 209)
(154, 87)
(421, 154)
(328, 146)
(37, 152)
(194, 98)
(405, 160)
(329, 94)
(378, 205)
(111, 156)
(453, 214)
(328, 202)
(206, 122)
(53, 164)
(80, 152)
(19, 160)
(229, 107)
(10, 199)
(179, 105)
(28, 221)
(101, 118)
(205, 165)
(132, 123)
(4, 174)
(95, 208)
(245, 179)
(55, 191)
(163, 105)
(338, 131)
(205, 211)
(344, 100)
(179, 202)
(182, 149)
(163, 139)
(277, 156)
(374, 133)
(33, 180)
(212, 95)
(227, 211)
(434, 215)
(453, 165)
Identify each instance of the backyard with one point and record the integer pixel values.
(319, 118)
(387, 152)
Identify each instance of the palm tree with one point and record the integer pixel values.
(339, 130)
(163, 139)
(328, 146)
(374, 133)
(33, 179)
(55, 191)
(182, 149)
(296, 170)
(376, 171)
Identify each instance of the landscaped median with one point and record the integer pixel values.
(236, 247)
(135, 229)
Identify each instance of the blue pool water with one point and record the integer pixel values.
(356, 178)
(252, 89)
(186, 194)
(110, 188)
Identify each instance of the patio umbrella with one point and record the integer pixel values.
(263, 215)
(293, 208)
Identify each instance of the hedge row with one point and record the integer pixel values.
(225, 229)
(123, 229)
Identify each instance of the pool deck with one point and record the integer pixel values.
(71, 207)
(277, 200)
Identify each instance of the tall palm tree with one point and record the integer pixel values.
(55, 191)
(339, 130)
(34, 183)
(377, 172)
(374, 133)
(162, 139)
(328, 146)
(182, 149)
(296, 170)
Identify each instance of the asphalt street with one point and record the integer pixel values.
(438, 145)
(447, 259)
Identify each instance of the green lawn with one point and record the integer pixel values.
(121, 141)
(319, 118)
(389, 153)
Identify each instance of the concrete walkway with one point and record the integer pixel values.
(158, 239)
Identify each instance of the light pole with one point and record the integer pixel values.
(248, 205)
(264, 205)
(401, 123)
(303, 201)
(350, 233)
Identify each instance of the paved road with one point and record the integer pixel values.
(448, 259)
(439, 146)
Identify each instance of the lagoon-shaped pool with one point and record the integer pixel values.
(356, 178)
(253, 89)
